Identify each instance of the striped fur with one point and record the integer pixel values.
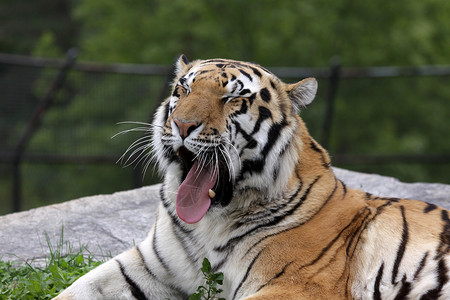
(281, 225)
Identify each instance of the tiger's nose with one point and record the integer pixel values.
(186, 128)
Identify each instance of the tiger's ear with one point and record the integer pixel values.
(182, 65)
(302, 93)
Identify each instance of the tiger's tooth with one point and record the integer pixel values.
(178, 152)
(211, 193)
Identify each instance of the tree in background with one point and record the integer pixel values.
(407, 116)
(284, 33)
(375, 116)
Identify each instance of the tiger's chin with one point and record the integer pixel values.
(205, 183)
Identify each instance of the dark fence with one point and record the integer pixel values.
(37, 94)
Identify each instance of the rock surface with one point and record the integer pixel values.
(110, 224)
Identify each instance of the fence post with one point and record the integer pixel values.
(33, 124)
(333, 80)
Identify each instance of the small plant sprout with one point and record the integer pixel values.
(210, 291)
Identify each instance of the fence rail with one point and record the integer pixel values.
(334, 74)
(285, 72)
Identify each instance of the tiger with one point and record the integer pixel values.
(246, 186)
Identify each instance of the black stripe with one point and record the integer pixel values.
(444, 217)
(392, 199)
(182, 80)
(155, 250)
(264, 114)
(265, 94)
(444, 238)
(257, 165)
(147, 268)
(244, 91)
(168, 153)
(175, 92)
(273, 135)
(240, 83)
(270, 212)
(251, 98)
(266, 70)
(314, 146)
(402, 247)
(264, 216)
(404, 290)
(182, 240)
(244, 108)
(276, 276)
(444, 244)
(366, 224)
(430, 207)
(376, 287)
(331, 195)
(265, 238)
(235, 240)
(251, 142)
(421, 265)
(344, 187)
(246, 274)
(255, 70)
(276, 170)
(175, 219)
(251, 166)
(166, 112)
(246, 74)
(326, 164)
(144, 263)
(330, 244)
(219, 265)
(134, 288)
(245, 135)
(357, 233)
(214, 60)
(272, 84)
(442, 280)
(224, 84)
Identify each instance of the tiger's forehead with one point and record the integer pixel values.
(232, 77)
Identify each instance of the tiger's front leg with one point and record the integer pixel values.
(126, 276)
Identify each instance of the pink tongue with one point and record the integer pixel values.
(193, 195)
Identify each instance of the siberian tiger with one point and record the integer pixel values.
(246, 186)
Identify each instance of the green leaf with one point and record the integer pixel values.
(219, 278)
(79, 260)
(56, 272)
(206, 266)
(195, 297)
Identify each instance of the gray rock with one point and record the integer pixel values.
(105, 224)
(391, 187)
(110, 224)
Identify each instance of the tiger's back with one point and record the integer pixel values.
(356, 245)
(246, 186)
(381, 248)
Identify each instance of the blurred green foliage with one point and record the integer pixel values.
(372, 116)
(284, 33)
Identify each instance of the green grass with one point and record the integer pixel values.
(64, 266)
(61, 269)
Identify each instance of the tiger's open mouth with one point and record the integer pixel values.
(203, 184)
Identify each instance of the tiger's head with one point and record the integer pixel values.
(228, 127)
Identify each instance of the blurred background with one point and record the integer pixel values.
(71, 70)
